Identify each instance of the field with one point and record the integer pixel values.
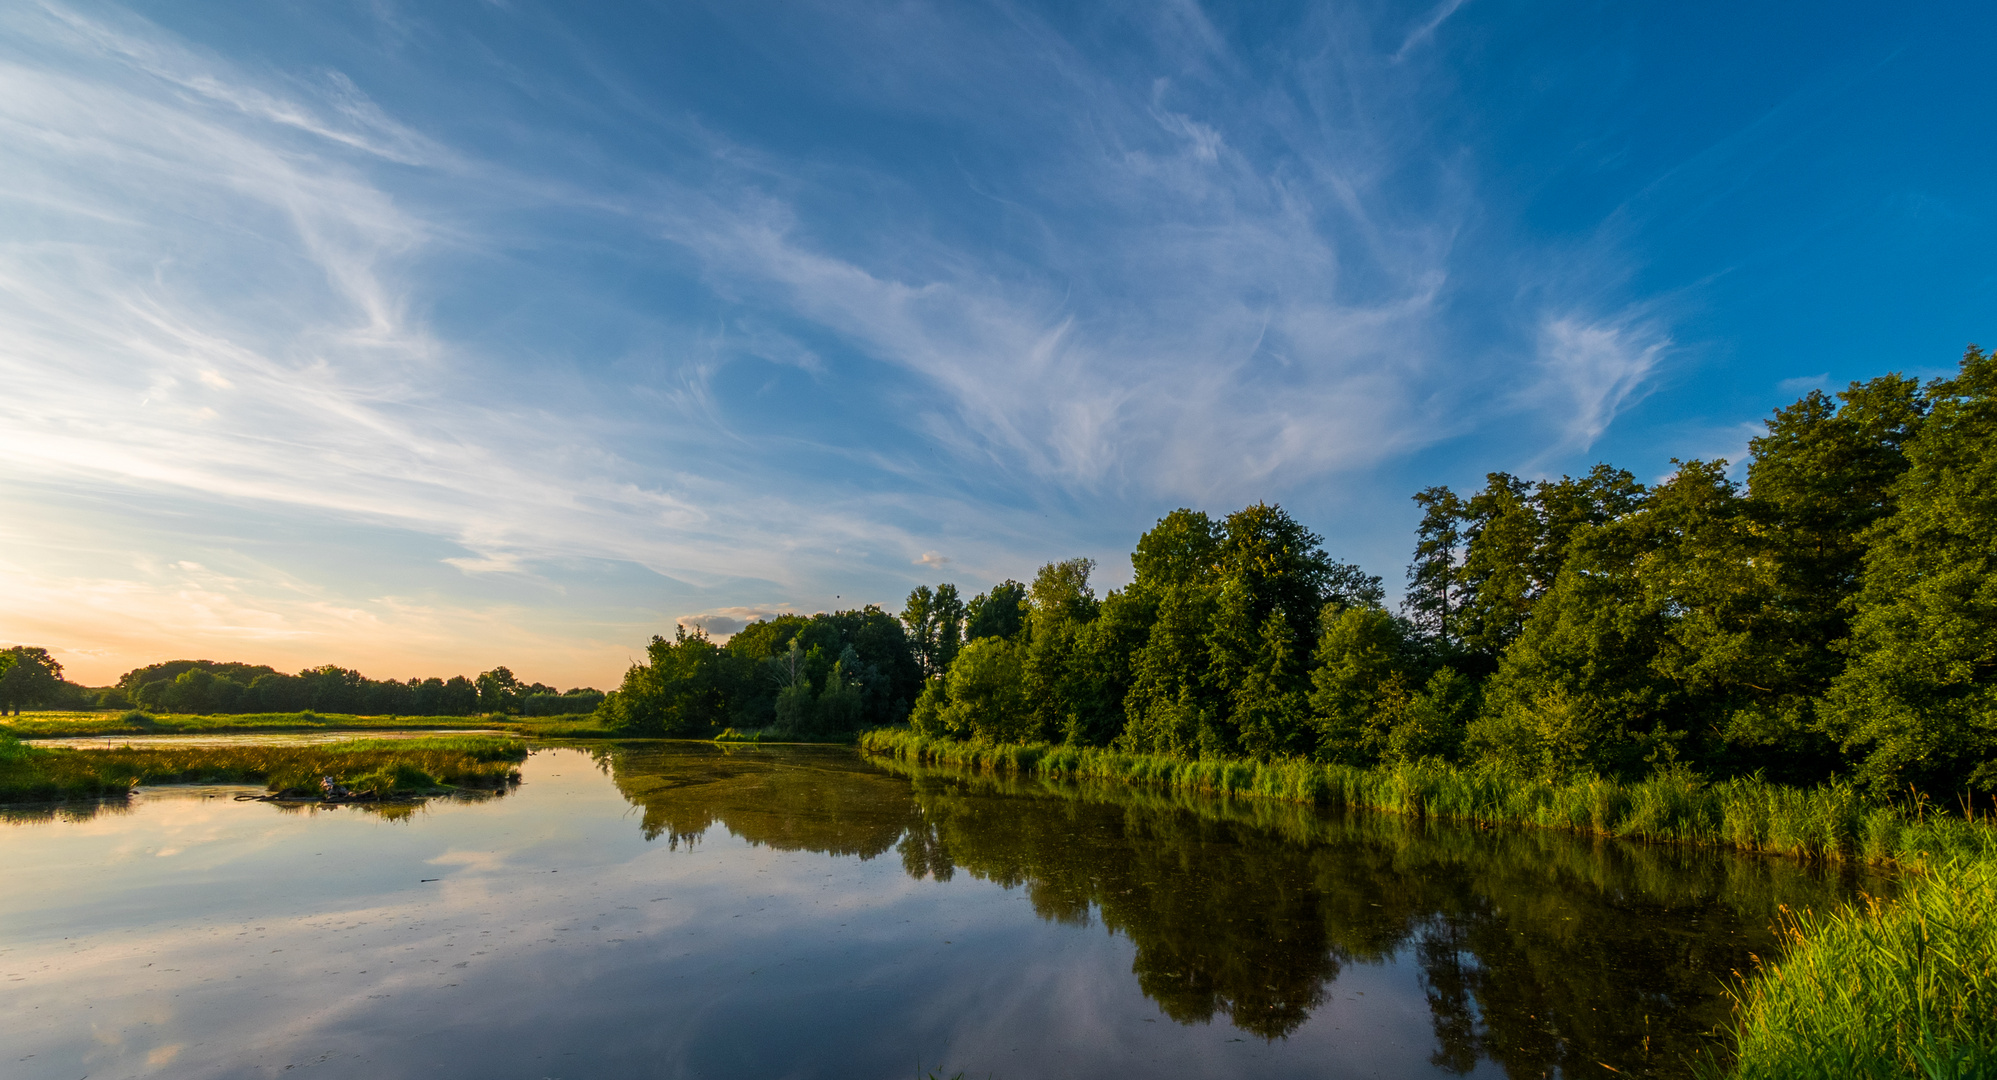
(52, 724)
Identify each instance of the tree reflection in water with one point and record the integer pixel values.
(1539, 951)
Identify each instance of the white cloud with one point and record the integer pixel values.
(1590, 370)
(723, 623)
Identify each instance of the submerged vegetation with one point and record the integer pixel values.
(377, 768)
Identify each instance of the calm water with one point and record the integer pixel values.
(680, 910)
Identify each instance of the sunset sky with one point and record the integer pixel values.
(426, 337)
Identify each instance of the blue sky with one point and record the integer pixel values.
(427, 337)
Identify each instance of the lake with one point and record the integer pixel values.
(676, 909)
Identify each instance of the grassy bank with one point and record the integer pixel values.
(52, 725)
(375, 767)
(1907, 988)
(1830, 822)
(1899, 989)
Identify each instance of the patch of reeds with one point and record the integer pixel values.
(1900, 989)
(377, 767)
(1832, 822)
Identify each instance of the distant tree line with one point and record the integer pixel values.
(30, 677)
(1833, 614)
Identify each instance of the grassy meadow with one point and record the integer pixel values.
(58, 724)
(375, 767)
(1900, 988)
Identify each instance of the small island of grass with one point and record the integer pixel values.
(366, 769)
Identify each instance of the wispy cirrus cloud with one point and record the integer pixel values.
(1156, 274)
(1590, 370)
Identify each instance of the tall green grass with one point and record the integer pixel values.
(373, 766)
(1831, 822)
(1901, 989)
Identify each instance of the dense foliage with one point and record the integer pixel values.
(1833, 615)
(816, 677)
(30, 677)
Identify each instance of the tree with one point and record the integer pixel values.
(999, 613)
(984, 696)
(935, 626)
(679, 692)
(28, 676)
(498, 690)
(1918, 702)
(1360, 686)
(1432, 599)
(1060, 607)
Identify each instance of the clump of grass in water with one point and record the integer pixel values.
(376, 765)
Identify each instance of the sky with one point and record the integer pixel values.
(424, 338)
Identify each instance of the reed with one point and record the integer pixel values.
(1907, 988)
(1832, 822)
(372, 766)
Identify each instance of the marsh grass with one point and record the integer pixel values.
(49, 725)
(378, 767)
(1832, 822)
(1907, 988)
(53, 725)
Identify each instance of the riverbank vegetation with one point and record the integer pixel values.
(371, 767)
(1887, 989)
(1831, 822)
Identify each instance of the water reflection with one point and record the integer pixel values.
(687, 910)
(1538, 951)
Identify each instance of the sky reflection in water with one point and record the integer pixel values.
(679, 910)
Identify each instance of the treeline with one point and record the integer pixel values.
(812, 677)
(1833, 614)
(211, 687)
(203, 686)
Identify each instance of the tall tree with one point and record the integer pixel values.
(1918, 703)
(28, 676)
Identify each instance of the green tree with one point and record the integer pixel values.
(1821, 477)
(28, 676)
(998, 613)
(934, 619)
(1918, 703)
(680, 691)
(984, 695)
(498, 690)
(1360, 687)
